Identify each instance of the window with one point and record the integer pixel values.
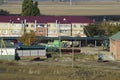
(32, 25)
(48, 25)
(81, 26)
(15, 31)
(26, 25)
(74, 26)
(40, 30)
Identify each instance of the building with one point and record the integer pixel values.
(115, 45)
(68, 26)
(40, 29)
(48, 26)
(78, 29)
(11, 29)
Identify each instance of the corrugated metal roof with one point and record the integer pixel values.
(116, 36)
(46, 19)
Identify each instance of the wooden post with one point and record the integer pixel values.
(60, 45)
(95, 43)
(1, 49)
(72, 55)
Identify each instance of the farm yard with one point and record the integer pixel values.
(64, 8)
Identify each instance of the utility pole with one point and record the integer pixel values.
(73, 55)
(59, 40)
(70, 2)
(58, 32)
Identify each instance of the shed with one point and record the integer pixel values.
(115, 45)
(7, 54)
(7, 50)
(31, 51)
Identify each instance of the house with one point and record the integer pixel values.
(115, 45)
(11, 27)
(67, 26)
(49, 26)
(41, 29)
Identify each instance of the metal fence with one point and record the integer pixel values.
(31, 53)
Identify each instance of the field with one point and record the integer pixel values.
(52, 70)
(56, 8)
(84, 67)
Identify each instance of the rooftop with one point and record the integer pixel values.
(46, 19)
(116, 36)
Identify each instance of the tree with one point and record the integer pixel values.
(110, 28)
(105, 28)
(94, 29)
(36, 10)
(4, 12)
(28, 38)
(29, 8)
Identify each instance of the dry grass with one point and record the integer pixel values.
(84, 8)
(55, 71)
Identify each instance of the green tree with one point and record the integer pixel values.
(105, 28)
(36, 10)
(29, 8)
(110, 28)
(4, 12)
(113, 29)
(94, 29)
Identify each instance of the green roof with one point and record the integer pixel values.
(63, 38)
(32, 47)
(116, 36)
